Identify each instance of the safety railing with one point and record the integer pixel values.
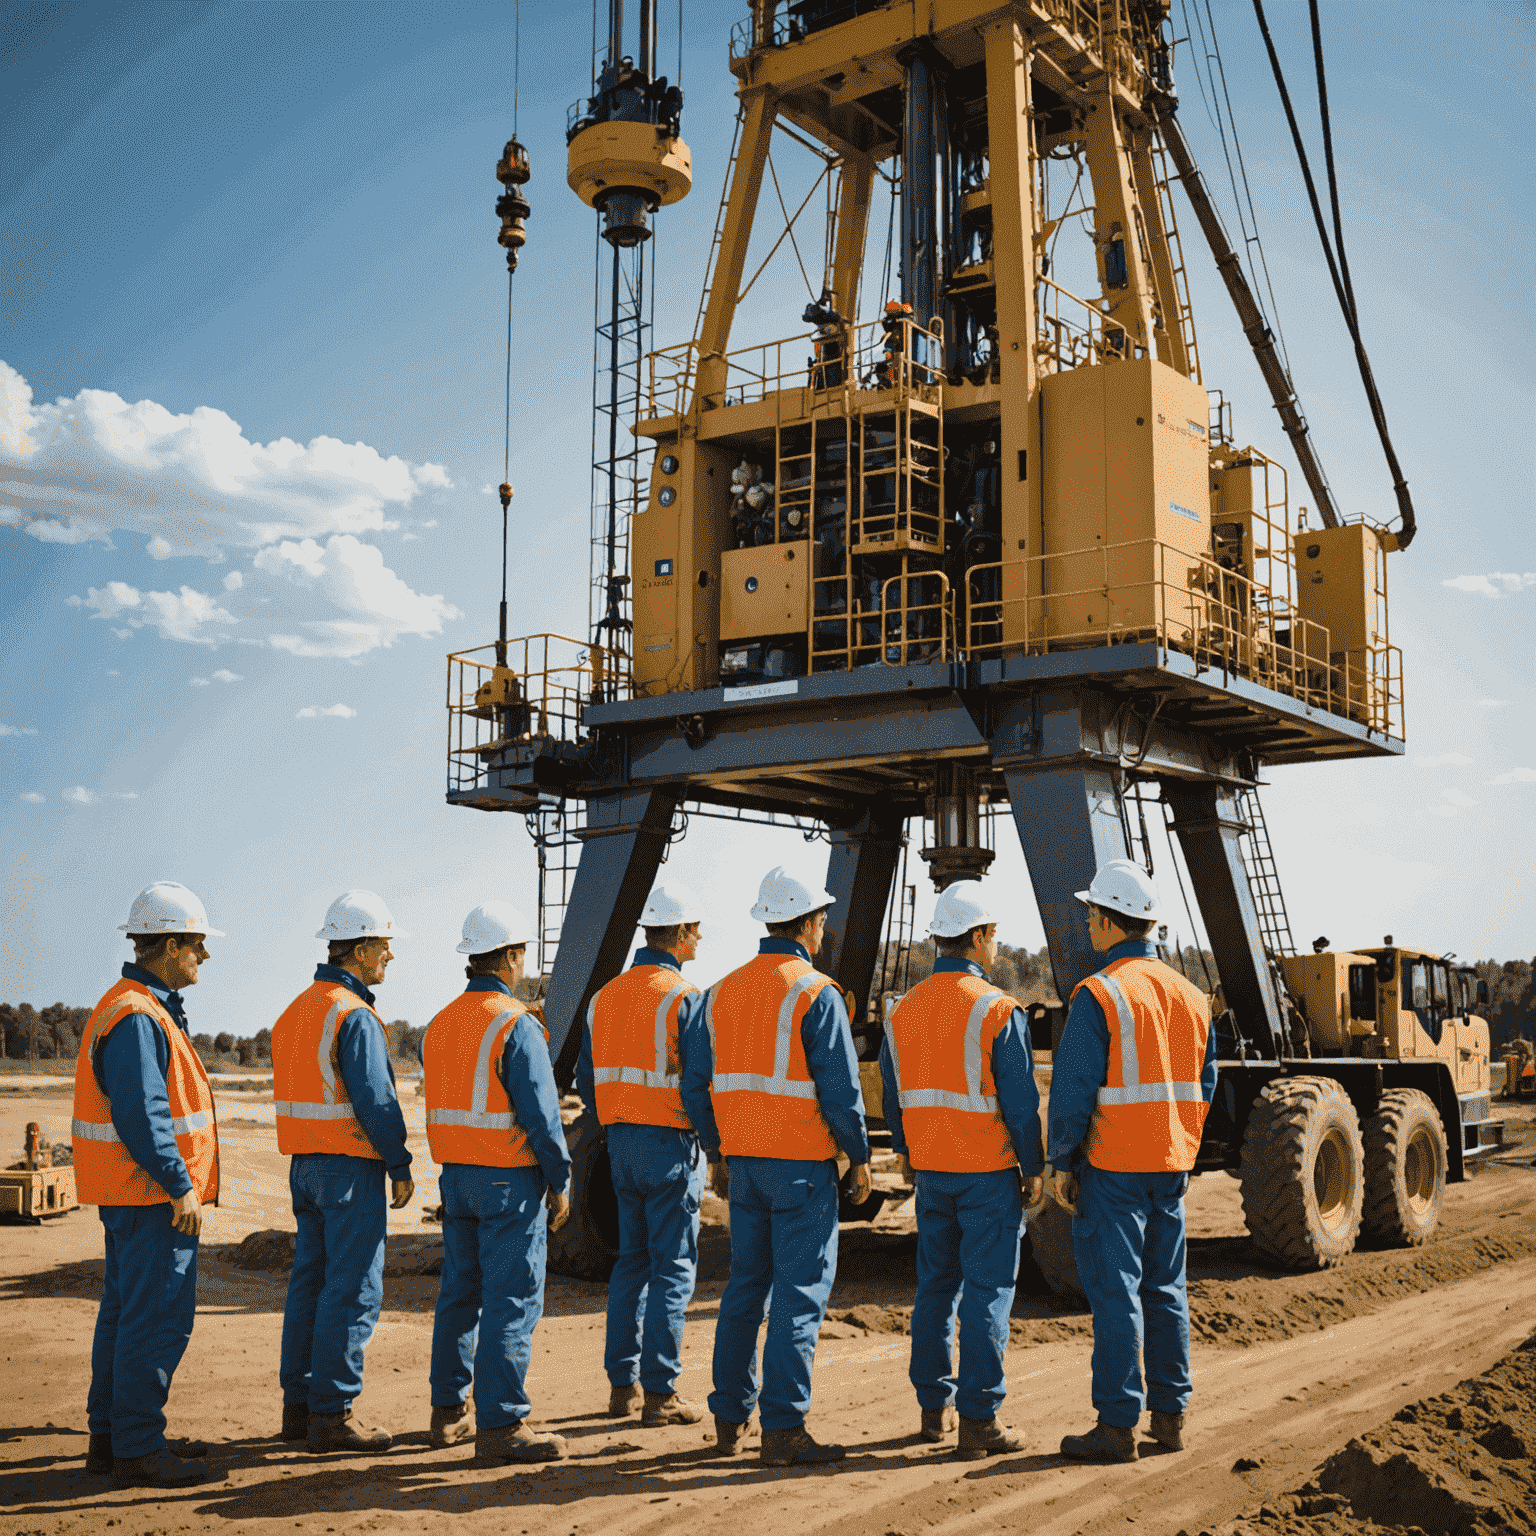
(1074, 334)
(920, 621)
(1148, 591)
(530, 690)
(895, 355)
(907, 620)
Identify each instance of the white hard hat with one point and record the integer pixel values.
(1124, 886)
(781, 898)
(494, 925)
(669, 905)
(359, 915)
(167, 906)
(960, 907)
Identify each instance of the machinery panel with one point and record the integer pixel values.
(1336, 584)
(764, 591)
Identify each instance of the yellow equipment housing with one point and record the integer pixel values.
(619, 154)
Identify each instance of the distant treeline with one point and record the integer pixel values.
(53, 1033)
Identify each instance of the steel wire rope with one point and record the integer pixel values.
(1345, 297)
(789, 226)
(788, 230)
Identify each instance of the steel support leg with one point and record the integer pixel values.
(1068, 824)
(622, 845)
(1206, 819)
(859, 873)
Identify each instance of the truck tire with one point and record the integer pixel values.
(1302, 1173)
(587, 1245)
(1050, 1241)
(1405, 1157)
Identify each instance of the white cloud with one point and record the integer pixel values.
(18, 730)
(224, 675)
(1492, 703)
(176, 616)
(1458, 797)
(114, 673)
(78, 794)
(32, 797)
(123, 634)
(1443, 810)
(191, 484)
(1516, 776)
(1494, 584)
(198, 682)
(123, 794)
(353, 578)
(1445, 760)
(320, 712)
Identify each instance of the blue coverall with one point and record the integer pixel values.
(969, 1227)
(1128, 1234)
(658, 1176)
(149, 1297)
(337, 1285)
(783, 1224)
(495, 1234)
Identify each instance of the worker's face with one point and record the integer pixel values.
(984, 947)
(371, 959)
(183, 954)
(811, 935)
(687, 943)
(1103, 934)
(515, 966)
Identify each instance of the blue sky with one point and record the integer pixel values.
(266, 229)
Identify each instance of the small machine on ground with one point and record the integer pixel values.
(34, 1188)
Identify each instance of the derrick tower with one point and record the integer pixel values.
(982, 542)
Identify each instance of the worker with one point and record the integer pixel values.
(960, 1099)
(629, 1076)
(893, 325)
(1130, 1087)
(339, 1119)
(779, 1071)
(831, 341)
(146, 1152)
(493, 1122)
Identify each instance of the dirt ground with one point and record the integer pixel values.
(1297, 1382)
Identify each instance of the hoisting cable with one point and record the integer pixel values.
(505, 488)
(1344, 294)
(789, 226)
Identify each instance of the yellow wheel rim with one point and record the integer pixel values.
(1420, 1170)
(1333, 1180)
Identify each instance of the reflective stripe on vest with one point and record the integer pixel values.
(105, 1171)
(479, 1115)
(780, 1084)
(639, 1077)
(1135, 1091)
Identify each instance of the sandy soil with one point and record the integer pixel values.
(1288, 1371)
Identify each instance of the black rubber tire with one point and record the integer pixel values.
(587, 1245)
(1303, 1173)
(1050, 1240)
(1405, 1162)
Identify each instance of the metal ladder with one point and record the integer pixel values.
(1186, 316)
(1264, 878)
(553, 829)
(720, 213)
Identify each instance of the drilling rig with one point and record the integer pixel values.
(991, 550)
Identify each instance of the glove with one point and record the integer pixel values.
(1064, 1190)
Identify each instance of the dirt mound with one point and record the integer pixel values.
(1459, 1464)
(1259, 1309)
(875, 1319)
(271, 1251)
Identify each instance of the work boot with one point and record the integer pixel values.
(662, 1408)
(295, 1421)
(795, 1447)
(509, 1443)
(622, 1401)
(731, 1437)
(1104, 1442)
(337, 1432)
(1168, 1430)
(980, 1438)
(98, 1458)
(938, 1422)
(449, 1426)
(160, 1469)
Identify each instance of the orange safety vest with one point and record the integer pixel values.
(105, 1172)
(1150, 1110)
(765, 1102)
(635, 1065)
(940, 1037)
(469, 1112)
(314, 1109)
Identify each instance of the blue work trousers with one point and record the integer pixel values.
(491, 1295)
(968, 1230)
(148, 1303)
(1128, 1240)
(784, 1240)
(337, 1285)
(658, 1176)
